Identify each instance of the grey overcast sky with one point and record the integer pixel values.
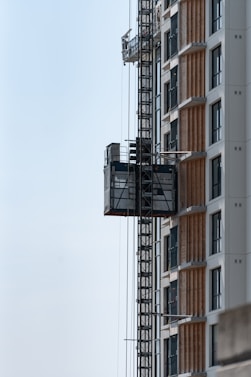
(62, 264)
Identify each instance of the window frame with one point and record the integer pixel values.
(173, 355)
(173, 247)
(167, 104)
(173, 87)
(174, 35)
(173, 300)
(217, 10)
(216, 176)
(166, 357)
(216, 122)
(216, 289)
(167, 51)
(216, 58)
(166, 254)
(216, 223)
(166, 293)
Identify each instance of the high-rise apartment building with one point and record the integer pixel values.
(200, 119)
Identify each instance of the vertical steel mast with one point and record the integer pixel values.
(145, 200)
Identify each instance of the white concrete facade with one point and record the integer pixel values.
(234, 147)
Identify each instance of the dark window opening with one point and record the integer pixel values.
(216, 122)
(174, 35)
(216, 289)
(216, 177)
(166, 303)
(166, 252)
(173, 358)
(216, 233)
(216, 66)
(173, 247)
(173, 303)
(174, 88)
(216, 15)
(167, 52)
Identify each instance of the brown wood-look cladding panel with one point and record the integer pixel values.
(192, 129)
(192, 75)
(192, 291)
(192, 238)
(192, 348)
(192, 22)
(192, 184)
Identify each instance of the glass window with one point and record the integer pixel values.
(166, 4)
(170, 356)
(216, 289)
(173, 364)
(166, 352)
(170, 138)
(167, 97)
(167, 138)
(173, 134)
(174, 35)
(214, 334)
(216, 15)
(216, 122)
(166, 303)
(216, 177)
(173, 247)
(173, 304)
(166, 251)
(167, 46)
(216, 66)
(216, 232)
(173, 88)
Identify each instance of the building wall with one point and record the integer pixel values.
(196, 204)
(248, 145)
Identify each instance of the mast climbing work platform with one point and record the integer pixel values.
(145, 219)
(141, 188)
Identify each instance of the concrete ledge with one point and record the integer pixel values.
(234, 332)
(241, 370)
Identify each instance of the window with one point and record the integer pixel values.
(166, 352)
(170, 91)
(214, 334)
(216, 177)
(216, 67)
(167, 138)
(174, 35)
(170, 138)
(166, 251)
(216, 122)
(216, 232)
(170, 356)
(173, 364)
(173, 247)
(166, 303)
(167, 3)
(216, 289)
(173, 134)
(173, 304)
(167, 46)
(167, 97)
(173, 87)
(216, 15)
